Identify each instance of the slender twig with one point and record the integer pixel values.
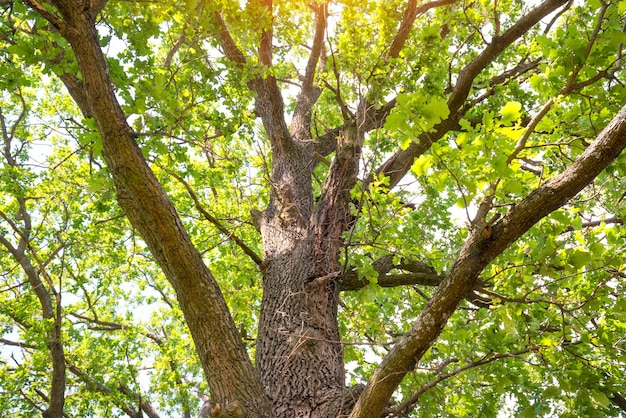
(229, 234)
(409, 404)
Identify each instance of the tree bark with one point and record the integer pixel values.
(223, 356)
(299, 357)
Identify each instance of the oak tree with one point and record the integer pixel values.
(312, 209)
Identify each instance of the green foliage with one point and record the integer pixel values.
(550, 343)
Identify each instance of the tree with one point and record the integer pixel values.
(347, 209)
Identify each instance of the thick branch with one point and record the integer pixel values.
(399, 164)
(231, 50)
(265, 44)
(223, 356)
(418, 274)
(351, 280)
(301, 121)
(333, 212)
(46, 14)
(269, 102)
(477, 253)
(498, 44)
(410, 14)
(619, 400)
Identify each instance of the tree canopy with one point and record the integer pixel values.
(281, 208)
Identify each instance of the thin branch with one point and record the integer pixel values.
(175, 47)
(17, 344)
(409, 404)
(229, 234)
(521, 143)
(106, 390)
(592, 224)
(101, 325)
(55, 345)
(534, 121)
(46, 14)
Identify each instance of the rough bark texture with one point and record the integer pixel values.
(227, 367)
(299, 358)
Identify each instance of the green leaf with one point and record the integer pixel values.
(579, 258)
(434, 111)
(514, 186)
(421, 165)
(599, 398)
(552, 392)
(511, 112)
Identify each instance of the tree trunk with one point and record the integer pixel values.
(299, 354)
